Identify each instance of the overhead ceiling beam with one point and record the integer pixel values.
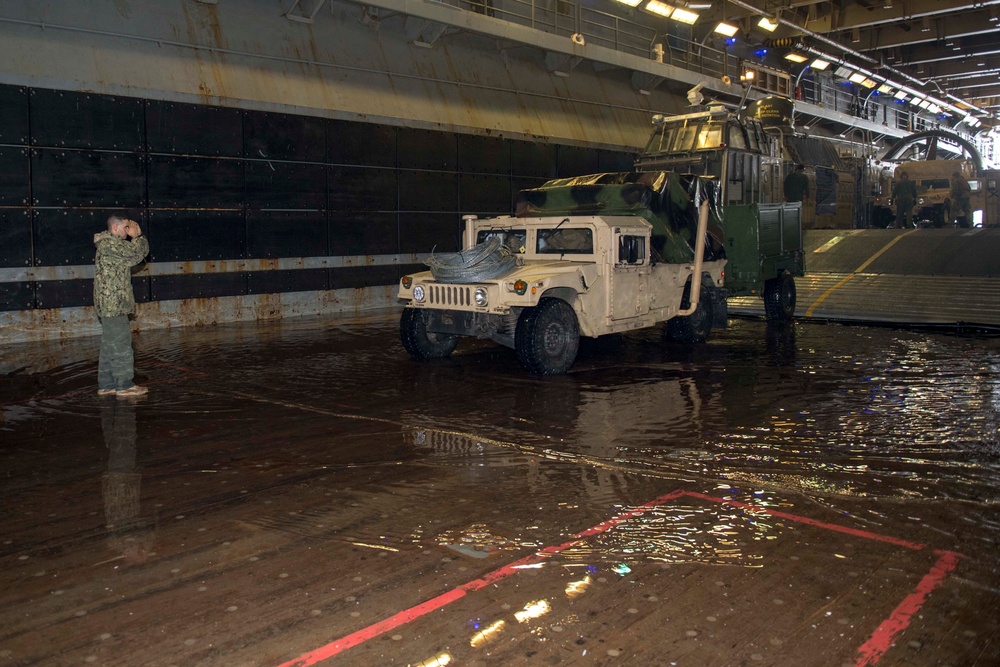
(933, 71)
(908, 34)
(969, 47)
(856, 15)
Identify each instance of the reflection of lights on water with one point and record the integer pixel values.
(575, 589)
(529, 566)
(439, 660)
(374, 546)
(532, 610)
(487, 634)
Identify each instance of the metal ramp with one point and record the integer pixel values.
(921, 276)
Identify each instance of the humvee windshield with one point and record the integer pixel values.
(565, 241)
(935, 184)
(514, 239)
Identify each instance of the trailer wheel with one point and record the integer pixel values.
(422, 344)
(779, 298)
(696, 327)
(547, 337)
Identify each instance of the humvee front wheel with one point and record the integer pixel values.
(779, 298)
(696, 327)
(422, 344)
(547, 337)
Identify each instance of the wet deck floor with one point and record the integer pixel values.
(302, 491)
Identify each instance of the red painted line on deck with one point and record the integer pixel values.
(407, 615)
(870, 652)
(885, 634)
(812, 522)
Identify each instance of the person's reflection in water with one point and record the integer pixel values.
(129, 536)
(781, 347)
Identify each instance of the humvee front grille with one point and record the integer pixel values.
(449, 295)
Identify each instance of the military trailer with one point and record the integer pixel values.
(588, 256)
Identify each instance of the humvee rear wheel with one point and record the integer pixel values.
(547, 337)
(696, 327)
(423, 345)
(779, 298)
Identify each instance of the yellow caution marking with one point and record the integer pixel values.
(829, 244)
(856, 271)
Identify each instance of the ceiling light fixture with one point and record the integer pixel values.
(857, 77)
(631, 3)
(795, 58)
(767, 24)
(727, 29)
(684, 16)
(820, 64)
(661, 8)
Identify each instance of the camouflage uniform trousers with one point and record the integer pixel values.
(115, 366)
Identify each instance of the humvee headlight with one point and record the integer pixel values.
(418, 293)
(407, 282)
(921, 200)
(481, 297)
(520, 287)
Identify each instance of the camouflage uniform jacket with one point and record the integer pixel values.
(115, 258)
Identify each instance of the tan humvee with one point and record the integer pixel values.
(571, 276)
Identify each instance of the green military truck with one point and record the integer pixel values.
(762, 235)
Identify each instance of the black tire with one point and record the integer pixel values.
(696, 327)
(779, 298)
(420, 343)
(547, 337)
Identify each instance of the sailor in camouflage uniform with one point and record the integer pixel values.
(119, 248)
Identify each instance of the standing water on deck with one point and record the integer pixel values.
(316, 432)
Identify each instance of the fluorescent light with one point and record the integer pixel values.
(684, 16)
(767, 24)
(900, 95)
(820, 64)
(843, 72)
(868, 83)
(885, 89)
(857, 77)
(924, 104)
(657, 7)
(747, 75)
(727, 29)
(631, 3)
(795, 58)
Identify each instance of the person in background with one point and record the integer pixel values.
(960, 194)
(119, 248)
(796, 184)
(904, 194)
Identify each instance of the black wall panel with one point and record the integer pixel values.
(213, 183)
(191, 182)
(426, 149)
(363, 233)
(15, 237)
(428, 191)
(13, 115)
(483, 155)
(64, 293)
(14, 180)
(286, 234)
(481, 194)
(62, 119)
(363, 189)
(301, 280)
(363, 276)
(528, 159)
(362, 144)
(183, 236)
(575, 161)
(87, 178)
(198, 286)
(17, 296)
(66, 236)
(279, 136)
(405, 269)
(193, 129)
(423, 232)
(609, 161)
(285, 185)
